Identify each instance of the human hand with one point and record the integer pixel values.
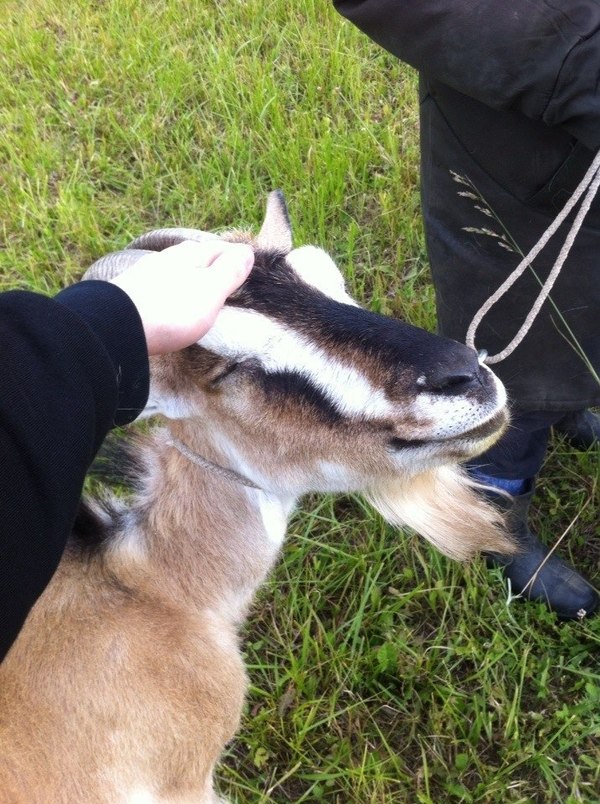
(178, 292)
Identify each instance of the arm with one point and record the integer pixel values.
(71, 368)
(536, 57)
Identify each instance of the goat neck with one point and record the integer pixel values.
(209, 539)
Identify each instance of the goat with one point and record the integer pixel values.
(126, 681)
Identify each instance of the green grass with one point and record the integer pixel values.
(380, 672)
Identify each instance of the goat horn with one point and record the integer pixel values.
(112, 265)
(160, 239)
(115, 263)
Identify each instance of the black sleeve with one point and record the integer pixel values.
(71, 368)
(536, 57)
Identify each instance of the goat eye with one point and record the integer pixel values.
(222, 375)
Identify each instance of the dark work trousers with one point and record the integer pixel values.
(485, 173)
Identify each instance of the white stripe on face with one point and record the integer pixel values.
(243, 334)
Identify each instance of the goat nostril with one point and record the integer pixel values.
(457, 370)
(449, 383)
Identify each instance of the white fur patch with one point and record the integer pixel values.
(338, 478)
(315, 267)
(129, 543)
(242, 334)
(231, 609)
(140, 796)
(275, 515)
(274, 510)
(230, 458)
(170, 405)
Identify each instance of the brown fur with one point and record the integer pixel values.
(127, 675)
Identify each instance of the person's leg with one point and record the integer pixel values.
(490, 182)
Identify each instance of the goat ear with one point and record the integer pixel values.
(275, 233)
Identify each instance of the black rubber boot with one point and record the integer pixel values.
(581, 429)
(557, 584)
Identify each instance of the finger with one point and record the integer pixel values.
(215, 284)
(231, 268)
(192, 253)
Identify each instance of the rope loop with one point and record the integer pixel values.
(589, 183)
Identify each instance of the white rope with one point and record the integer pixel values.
(590, 182)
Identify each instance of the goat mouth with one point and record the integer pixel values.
(492, 427)
(489, 429)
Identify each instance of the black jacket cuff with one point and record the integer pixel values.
(113, 318)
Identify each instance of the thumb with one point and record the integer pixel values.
(215, 282)
(230, 269)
